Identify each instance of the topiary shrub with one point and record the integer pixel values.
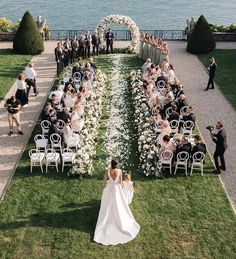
(28, 39)
(201, 40)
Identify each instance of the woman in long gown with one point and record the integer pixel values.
(116, 224)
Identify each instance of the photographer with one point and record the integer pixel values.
(13, 106)
(221, 145)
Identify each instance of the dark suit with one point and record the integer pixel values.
(221, 145)
(173, 116)
(185, 147)
(59, 57)
(212, 71)
(200, 147)
(109, 41)
(52, 129)
(67, 51)
(95, 43)
(87, 41)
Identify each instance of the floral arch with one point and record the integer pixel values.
(120, 19)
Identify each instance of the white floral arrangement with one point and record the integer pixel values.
(93, 109)
(146, 142)
(120, 19)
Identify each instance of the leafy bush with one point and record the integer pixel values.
(222, 28)
(201, 40)
(28, 39)
(5, 25)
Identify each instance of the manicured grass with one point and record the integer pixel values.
(54, 216)
(225, 74)
(11, 65)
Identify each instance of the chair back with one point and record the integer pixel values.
(161, 84)
(50, 153)
(61, 125)
(45, 124)
(183, 110)
(182, 156)
(38, 137)
(55, 139)
(67, 153)
(188, 125)
(168, 111)
(198, 157)
(76, 76)
(174, 124)
(166, 156)
(34, 153)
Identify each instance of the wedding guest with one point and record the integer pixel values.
(70, 99)
(21, 90)
(30, 75)
(190, 116)
(48, 112)
(109, 40)
(13, 106)
(182, 102)
(56, 103)
(70, 138)
(199, 146)
(171, 74)
(162, 77)
(67, 51)
(174, 115)
(185, 145)
(165, 130)
(87, 42)
(146, 66)
(95, 43)
(59, 57)
(77, 122)
(76, 69)
(212, 70)
(93, 64)
(74, 49)
(128, 188)
(53, 129)
(64, 114)
(81, 47)
(167, 144)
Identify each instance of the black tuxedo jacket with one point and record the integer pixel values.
(186, 147)
(59, 54)
(212, 70)
(221, 140)
(199, 147)
(110, 37)
(95, 40)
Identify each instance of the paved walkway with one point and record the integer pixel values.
(12, 147)
(210, 107)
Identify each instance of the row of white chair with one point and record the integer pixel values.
(50, 158)
(45, 125)
(182, 160)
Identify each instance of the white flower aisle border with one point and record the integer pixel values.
(118, 136)
(120, 19)
(93, 109)
(146, 134)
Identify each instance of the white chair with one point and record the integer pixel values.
(182, 161)
(166, 160)
(56, 141)
(61, 125)
(36, 157)
(174, 125)
(157, 128)
(73, 142)
(45, 124)
(198, 159)
(188, 128)
(52, 158)
(183, 110)
(40, 142)
(68, 157)
(168, 111)
(77, 77)
(161, 84)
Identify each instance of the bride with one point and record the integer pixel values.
(116, 224)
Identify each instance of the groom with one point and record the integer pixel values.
(109, 40)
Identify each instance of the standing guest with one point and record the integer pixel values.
(109, 40)
(21, 90)
(221, 145)
(13, 106)
(212, 70)
(59, 57)
(74, 49)
(87, 40)
(95, 42)
(30, 75)
(67, 51)
(199, 146)
(81, 47)
(76, 69)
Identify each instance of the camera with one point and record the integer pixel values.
(210, 128)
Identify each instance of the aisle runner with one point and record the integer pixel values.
(118, 136)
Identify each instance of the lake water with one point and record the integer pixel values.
(150, 14)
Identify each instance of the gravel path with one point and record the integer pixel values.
(210, 107)
(12, 147)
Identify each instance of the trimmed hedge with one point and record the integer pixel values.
(28, 39)
(201, 40)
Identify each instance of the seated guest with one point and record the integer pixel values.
(167, 144)
(70, 99)
(48, 112)
(171, 74)
(64, 114)
(162, 77)
(158, 116)
(185, 145)
(179, 91)
(146, 66)
(70, 138)
(169, 102)
(190, 115)
(58, 92)
(70, 82)
(61, 85)
(165, 130)
(76, 69)
(56, 103)
(144, 87)
(173, 114)
(182, 102)
(53, 129)
(199, 146)
(77, 122)
(92, 63)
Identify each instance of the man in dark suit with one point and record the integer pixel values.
(212, 71)
(59, 57)
(221, 145)
(109, 40)
(95, 42)
(67, 52)
(185, 145)
(87, 41)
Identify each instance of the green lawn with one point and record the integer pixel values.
(11, 65)
(54, 216)
(225, 74)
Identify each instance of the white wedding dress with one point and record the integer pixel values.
(116, 224)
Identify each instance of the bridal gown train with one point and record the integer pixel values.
(116, 224)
